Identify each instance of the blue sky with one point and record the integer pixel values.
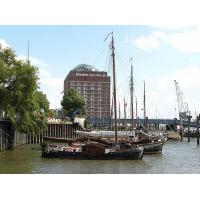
(160, 55)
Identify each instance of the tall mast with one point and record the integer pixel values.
(144, 106)
(131, 91)
(114, 87)
(136, 112)
(114, 83)
(125, 114)
(119, 115)
(111, 115)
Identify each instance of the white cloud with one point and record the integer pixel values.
(3, 44)
(153, 41)
(150, 42)
(173, 27)
(163, 92)
(52, 87)
(186, 40)
(146, 43)
(44, 73)
(34, 61)
(49, 84)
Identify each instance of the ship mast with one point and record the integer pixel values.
(114, 87)
(125, 123)
(136, 113)
(131, 92)
(119, 116)
(144, 109)
(114, 83)
(111, 115)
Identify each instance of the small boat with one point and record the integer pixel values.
(150, 147)
(173, 136)
(153, 147)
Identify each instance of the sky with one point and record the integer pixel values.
(161, 54)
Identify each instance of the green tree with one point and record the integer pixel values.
(73, 102)
(25, 106)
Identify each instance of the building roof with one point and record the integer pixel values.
(85, 67)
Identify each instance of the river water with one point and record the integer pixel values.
(176, 158)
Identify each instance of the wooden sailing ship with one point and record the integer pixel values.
(150, 145)
(94, 148)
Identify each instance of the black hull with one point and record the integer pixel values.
(130, 154)
(153, 148)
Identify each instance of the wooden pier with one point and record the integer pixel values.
(10, 138)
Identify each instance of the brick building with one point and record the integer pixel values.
(94, 86)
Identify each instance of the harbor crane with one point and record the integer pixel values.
(182, 107)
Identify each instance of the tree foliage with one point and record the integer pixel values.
(25, 106)
(73, 102)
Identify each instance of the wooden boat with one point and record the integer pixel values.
(150, 147)
(153, 147)
(91, 151)
(93, 148)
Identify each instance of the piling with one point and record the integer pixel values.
(181, 133)
(189, 118)
(1, 140)
(29, 138)
(198, 129)
(64, 129)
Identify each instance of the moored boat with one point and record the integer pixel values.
(150, 147)
(153, 148)
(89, 151)
(94, 148)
